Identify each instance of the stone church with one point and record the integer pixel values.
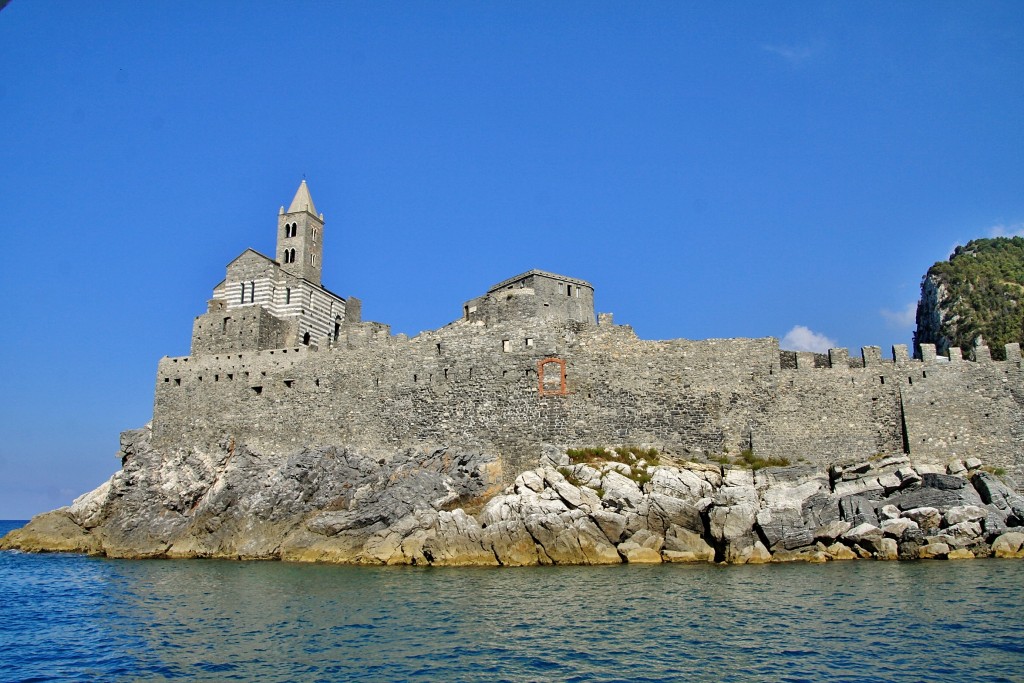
(266, 303)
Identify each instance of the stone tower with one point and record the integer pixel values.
(300, 237)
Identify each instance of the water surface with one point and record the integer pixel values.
(71, 617)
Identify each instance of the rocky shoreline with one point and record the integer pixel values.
(440, 507)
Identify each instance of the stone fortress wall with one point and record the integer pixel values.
(527, 365)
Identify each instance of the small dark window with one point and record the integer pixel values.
(252, 292)
(289, 382)
(439, 349)
(568, 290)
(305, 339)
(257, 390)
(177, 381)
(288, 295)
(167, 379)
(242, 300)
(881, 379)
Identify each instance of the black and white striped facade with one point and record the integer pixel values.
(265, 304)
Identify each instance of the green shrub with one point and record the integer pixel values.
(628, 455)
(589, 454)
(748, 460)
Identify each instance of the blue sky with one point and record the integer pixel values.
(715, 170)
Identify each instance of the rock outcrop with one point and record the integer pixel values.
(974, 297)
(433, 506)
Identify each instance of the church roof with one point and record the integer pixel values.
(302, 201)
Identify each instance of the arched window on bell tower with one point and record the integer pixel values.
(301, 237)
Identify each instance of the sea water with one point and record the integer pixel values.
(77, 618)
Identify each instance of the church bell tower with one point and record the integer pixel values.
(300, 237)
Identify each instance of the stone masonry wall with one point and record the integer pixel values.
(477, 385)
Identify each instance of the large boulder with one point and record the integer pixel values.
(683, 545)
(994, 492)
(784, 527)
(1009, 545)
(941, 491)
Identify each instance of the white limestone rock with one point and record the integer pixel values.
(933, 551)
(896, 528)
(927, 518)
(683, 545)
(621, 490)
(964, 513)
(679, 483)
(831, 531)
(1009, 545)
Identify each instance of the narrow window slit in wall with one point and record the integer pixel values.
(505, 345)
(910, 380)
(415, 377)
(439, 349)
(924, 375)
(216, 378)
(317, 381)
(446, 373)
(881, 379)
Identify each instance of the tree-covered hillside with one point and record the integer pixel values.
(977, 292)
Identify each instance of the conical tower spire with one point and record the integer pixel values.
(302, 201)
(300, 235)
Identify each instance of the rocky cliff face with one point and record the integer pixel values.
(975, 294)
(437, 507)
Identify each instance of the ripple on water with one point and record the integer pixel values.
(78, 618)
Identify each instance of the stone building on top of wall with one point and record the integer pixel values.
(266, 303)
(533, 295)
